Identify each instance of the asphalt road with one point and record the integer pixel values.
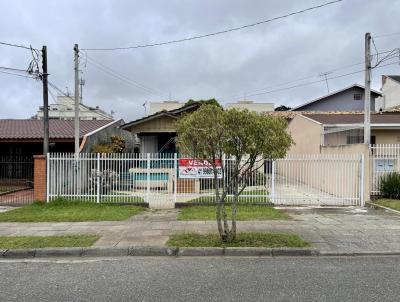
(202, 279)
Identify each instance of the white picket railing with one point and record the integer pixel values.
(385, 159)
(155, 179)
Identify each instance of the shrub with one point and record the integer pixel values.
(390, 185)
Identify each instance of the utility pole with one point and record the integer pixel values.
(76, 56)
(367, 91)
(45, 102)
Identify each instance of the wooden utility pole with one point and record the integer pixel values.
(45, 102)
(76, 56)
(367, 91)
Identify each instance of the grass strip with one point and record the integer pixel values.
(389, 203)
(244, 212)
(26, 242)
(70, 211)
(270, 240)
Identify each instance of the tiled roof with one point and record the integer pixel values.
(16, 129)
(354, 118)
(394, 77)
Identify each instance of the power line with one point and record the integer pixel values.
(387, 35)
(123, 78)
(16, 45)
(18, 75)
(14, 69)
(218, 32)
(307, 77)
(318, 81)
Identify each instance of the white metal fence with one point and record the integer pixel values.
(385, 159)
(155, 179)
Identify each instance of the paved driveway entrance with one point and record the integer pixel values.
(345, 229)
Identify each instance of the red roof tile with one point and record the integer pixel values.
(33, 129)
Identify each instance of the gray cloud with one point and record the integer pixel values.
(226, 66)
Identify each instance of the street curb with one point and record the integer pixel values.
(155, 251)
(374, 205)
(151, 251)
(355, 254)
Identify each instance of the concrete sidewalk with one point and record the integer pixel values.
(340, 230)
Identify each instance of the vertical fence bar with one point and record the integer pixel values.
(47, 177)
(148, 179)
(175, 176)
(362, 201)
(273, 182)
(97, 175)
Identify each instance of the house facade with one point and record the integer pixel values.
(390, 98)
(311, 131)
(156, 133)
(347, 99)
(64, 109)
(24, 137)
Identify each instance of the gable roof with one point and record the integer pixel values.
(377, 93)
(354, 118)
(174, 113)
(29, 129)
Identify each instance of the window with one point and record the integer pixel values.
(355, 139)
(357, 96)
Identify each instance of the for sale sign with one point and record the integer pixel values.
(198, 168)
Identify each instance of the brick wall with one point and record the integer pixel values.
(39, 178)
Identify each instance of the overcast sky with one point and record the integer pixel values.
(226, 67)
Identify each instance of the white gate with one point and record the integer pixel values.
(332, 180)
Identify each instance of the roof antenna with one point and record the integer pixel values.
(325, 76)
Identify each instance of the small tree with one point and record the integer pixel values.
(246, 137)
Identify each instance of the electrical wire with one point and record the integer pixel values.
(16, 45)
(18, 75)
(215, 33)
(14, 69)
(318, 81)
(251, 92)
(387, 35)
(123, 78)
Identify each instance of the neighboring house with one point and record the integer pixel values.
(24, 137)
(64, 109)
(311, 131)
(250, 105)
(390, 93)
(157, 132)
(347, 99)
(155, 107)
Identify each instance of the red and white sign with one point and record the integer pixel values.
(198, 168)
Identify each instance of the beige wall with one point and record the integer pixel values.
(160, 124)
(306, 134)
(386, 136)
(257, 107)
(167, 105)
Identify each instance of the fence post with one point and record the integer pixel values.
(148, 179)
(273, 182)
(362, 189)
(175, 176)
(48, 177)
(98, 179)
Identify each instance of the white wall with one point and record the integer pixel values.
(391, 95)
